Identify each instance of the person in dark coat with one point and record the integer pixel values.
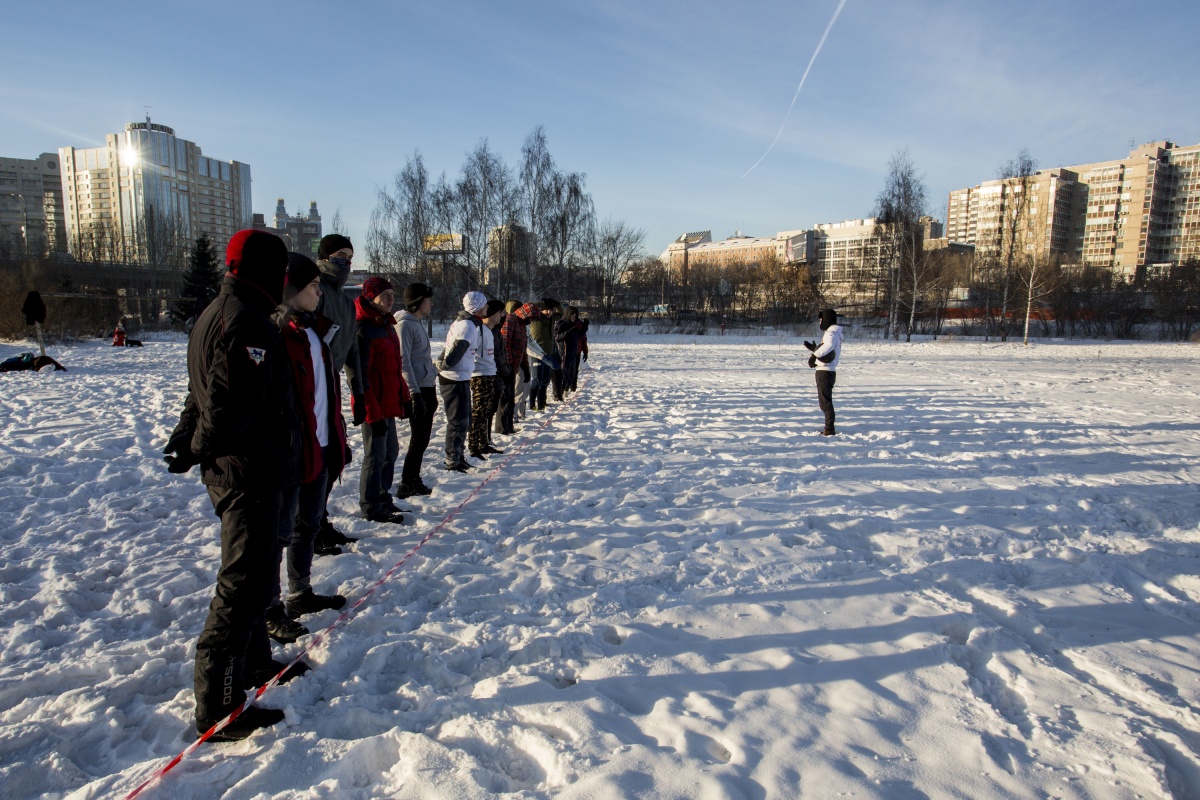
(386, 399)
(334, 254)
(239, 424)
(566, 336)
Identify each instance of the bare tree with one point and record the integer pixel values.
(337, 224)
(1017, 175)
(898, 211)
(402, 219)
(569, 217)
(536, 182)
(612, 249)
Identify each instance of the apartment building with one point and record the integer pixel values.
(144, 183)
(692, 249)
(1122, 215)
(31, 206)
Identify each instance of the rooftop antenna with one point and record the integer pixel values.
(147, 113)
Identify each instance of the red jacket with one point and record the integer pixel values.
(296, 342)
(384, 389)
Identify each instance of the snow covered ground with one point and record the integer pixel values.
(988, 586)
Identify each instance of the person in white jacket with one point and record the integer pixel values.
(824, 359)
(454, 376)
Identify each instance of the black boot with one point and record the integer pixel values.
(257, 677)
(282, 629)
(250, 720)
(309, 602)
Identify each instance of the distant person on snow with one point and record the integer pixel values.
(119, 334)
(824, 360)
(239, 424)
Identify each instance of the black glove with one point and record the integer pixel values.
(379, 427)
(812, 362)
(525, 372)
(585, 356)
(505, 372)
(348, 455)
(180, 445)
(418, 405)
(811, 346)
(358, 409)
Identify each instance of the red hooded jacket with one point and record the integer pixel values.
(384, 390)
(295, 341)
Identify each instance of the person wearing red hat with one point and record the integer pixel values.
(240, 425)
(385, 396)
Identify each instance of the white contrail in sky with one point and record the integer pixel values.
(816, 53)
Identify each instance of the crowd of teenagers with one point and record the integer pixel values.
(263, 420)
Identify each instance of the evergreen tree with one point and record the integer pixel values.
(201, 281)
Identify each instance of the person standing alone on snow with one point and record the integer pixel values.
(240, 425)
(824, 360)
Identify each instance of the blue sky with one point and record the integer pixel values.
(664, 105)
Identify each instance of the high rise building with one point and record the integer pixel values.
(1124, 215)
(31, 206)
(512, 253)
(146, 185)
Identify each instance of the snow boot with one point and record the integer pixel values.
(282, 629)
(250, 720)
(257, 677)
(309, 602)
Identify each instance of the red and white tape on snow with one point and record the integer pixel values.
(352, 609)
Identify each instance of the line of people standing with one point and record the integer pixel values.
(263, 420)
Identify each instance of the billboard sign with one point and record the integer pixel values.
(445, 244)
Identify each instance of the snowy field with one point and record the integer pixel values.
(988, 586)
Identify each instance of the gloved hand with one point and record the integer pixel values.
(812, 362)
(348, 455)
(525, 372)
(585, 356)
(379, 427)
(180, 445)
(418, 406)
(810, 345)
(358, 409)
(505, 372)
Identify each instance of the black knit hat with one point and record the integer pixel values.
(493, 307)
(827, 317)
(301, 271)
(415, 294)
(331, 244)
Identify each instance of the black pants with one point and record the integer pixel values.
(421, 427)
(825, 380)
(235, 636)
(507, 401)
(457, 397)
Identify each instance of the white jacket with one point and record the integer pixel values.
(485, 365)
(831, 342)
(466, 330)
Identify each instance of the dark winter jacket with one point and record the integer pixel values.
(294, 326)
(541, 330)
(566, 335)
(339, 308)
(515, 331)
(240, 406)
(382, 363)
(503, 368)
